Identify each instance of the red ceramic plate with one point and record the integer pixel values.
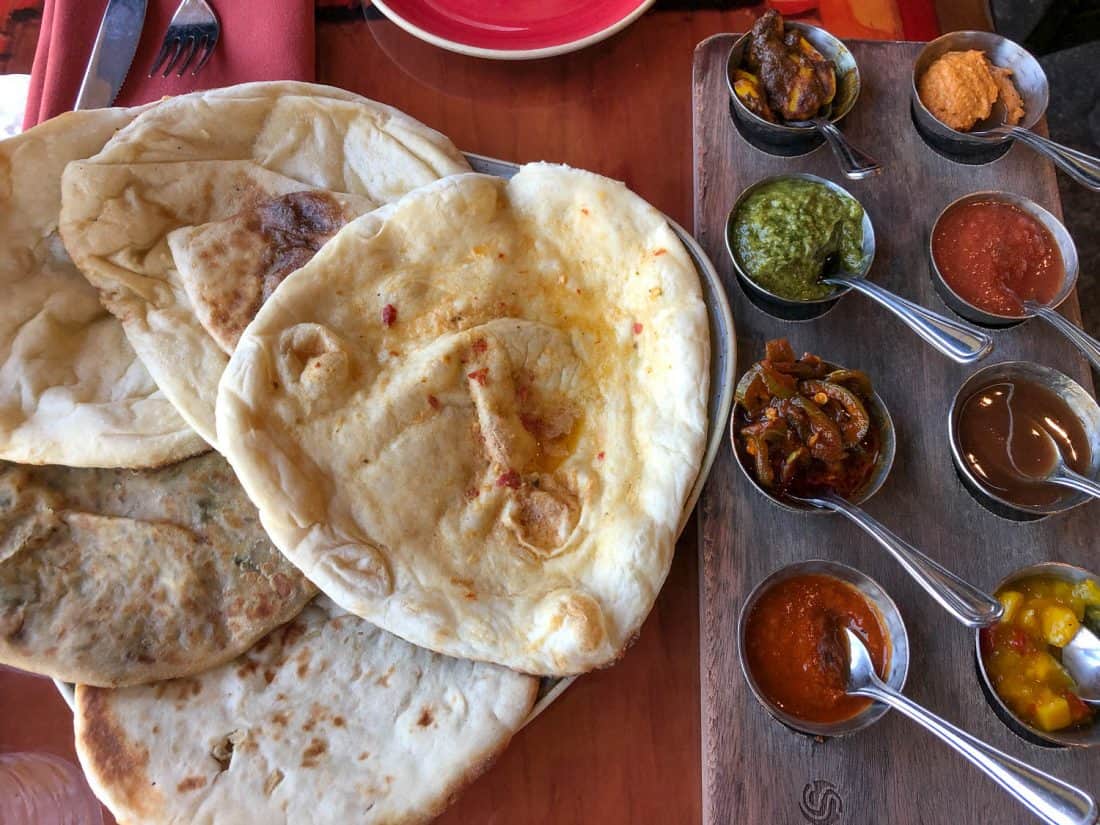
(512, 29)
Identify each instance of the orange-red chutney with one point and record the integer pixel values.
(795, 649)
(995, 256)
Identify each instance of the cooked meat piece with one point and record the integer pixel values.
(797, 80)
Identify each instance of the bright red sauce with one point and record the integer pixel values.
(796, 650)
(995, 256)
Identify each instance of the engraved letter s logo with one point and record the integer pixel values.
(820, 803)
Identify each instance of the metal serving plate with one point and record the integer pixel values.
(723, 362)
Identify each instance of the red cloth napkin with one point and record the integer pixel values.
(260, 40)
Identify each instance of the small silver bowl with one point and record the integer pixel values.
(1082, 404)
(784, 308)
(1066, 248)
(1027, 75)
(1081, 737)
(897, 654)
(778, 138)
(880, 417)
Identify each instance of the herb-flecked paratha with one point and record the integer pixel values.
(119, 577)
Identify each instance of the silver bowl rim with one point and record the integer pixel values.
(897, 662)
(870, 245)
(950, 37)
(836, 45)
(1059, 232)
(1047, 568)
(883, 464)
(1026, 369)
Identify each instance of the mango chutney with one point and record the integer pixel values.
(1022, 652)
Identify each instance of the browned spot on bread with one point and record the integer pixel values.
(117, 762)
(426, 717)
(363, 755)
(280, 718)
(310, 755)
(191, 783)
(384, 679)
(272, 781)
(338, 721)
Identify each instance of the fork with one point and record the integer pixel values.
(194, 26)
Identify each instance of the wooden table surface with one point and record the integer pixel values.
(622, 745)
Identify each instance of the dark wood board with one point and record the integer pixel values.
(754, 769)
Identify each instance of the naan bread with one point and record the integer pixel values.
(328, 719)
(116, 577)
(475, 416)
(72, 391)
(207, 158)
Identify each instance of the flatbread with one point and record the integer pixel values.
(475, 416)
(204, 158)
(117, 577)
(72, 390)
(328, 719)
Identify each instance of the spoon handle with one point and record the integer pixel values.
(1075, 481)
(1080, 339)
(1049, 798)
(1082, 167)
(961, 599)
(958, 340)
(854, 163)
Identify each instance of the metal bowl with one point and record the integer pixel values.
(876, 408)
(778, 138)
(897, 661)
(784, 308)
(1080, 402)
(1082, 737)
(1066, 248)
(1027, 75)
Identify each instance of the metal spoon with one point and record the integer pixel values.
(960, 341)
(854, 163)
(964, 601)
(1081, 657)
(1084, 342)
(1051, 799)
(1082, 167)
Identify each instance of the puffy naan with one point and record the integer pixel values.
(475, 416)
(72, 390)
(207, 158)
(118, 577)
(328, 719)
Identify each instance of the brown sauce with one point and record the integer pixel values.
(1001, 436)
(796, 649)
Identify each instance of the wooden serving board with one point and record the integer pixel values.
(754, 769)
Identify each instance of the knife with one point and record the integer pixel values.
(112, 53)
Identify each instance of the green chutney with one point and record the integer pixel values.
(785, 230)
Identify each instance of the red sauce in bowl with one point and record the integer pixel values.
(796, 650)
(995, 256)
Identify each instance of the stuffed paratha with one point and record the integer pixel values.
(207, 158)
(327, 719)
(72, 390)
(474, 417)
(118, 577)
